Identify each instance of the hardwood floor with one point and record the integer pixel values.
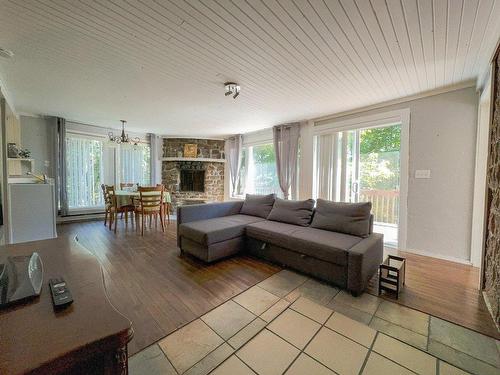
(444, 289)
(159, 291)
(153, 286)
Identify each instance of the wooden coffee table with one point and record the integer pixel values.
(90, 336)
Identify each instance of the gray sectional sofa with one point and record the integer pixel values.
(332, 241)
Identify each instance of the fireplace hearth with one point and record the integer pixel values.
(192, 180)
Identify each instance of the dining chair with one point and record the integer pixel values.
(111, 201)
(107, 205)
(165, 205)
(150, 204)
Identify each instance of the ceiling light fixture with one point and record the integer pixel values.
(123, 138)
(232, 89)
(6, 53)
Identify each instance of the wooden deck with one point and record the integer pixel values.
(159, 291)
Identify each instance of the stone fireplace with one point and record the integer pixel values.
(193, 180)
(492, 249)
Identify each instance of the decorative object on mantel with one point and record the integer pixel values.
(123, 138)
(190, 150)
(232, 89)
(12, 150)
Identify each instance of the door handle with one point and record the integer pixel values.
(355, 187)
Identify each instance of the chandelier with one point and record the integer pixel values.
(123, 138)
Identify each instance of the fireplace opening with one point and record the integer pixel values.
(192, 180)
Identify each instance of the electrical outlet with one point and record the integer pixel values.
(46, 163)
(423, 173)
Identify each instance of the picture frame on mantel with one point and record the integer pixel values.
(190, 150)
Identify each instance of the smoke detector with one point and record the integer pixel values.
(6, 53)
(232, 89)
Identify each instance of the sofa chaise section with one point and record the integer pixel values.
(212, 231)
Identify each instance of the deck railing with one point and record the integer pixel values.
(385, 204)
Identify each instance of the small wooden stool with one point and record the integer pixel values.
(391, 275)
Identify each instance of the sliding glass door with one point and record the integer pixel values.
(359, 165)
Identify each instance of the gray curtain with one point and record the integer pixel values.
(156, 143)
(286, 147)
(60, 178)
(233, 156)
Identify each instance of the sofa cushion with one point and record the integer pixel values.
(348, 218)
(292, 212)
(322, 244)
(210, 231)
(258, 205)
(272, 232)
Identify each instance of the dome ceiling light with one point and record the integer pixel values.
(232, 89)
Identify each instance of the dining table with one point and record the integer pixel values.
(124, 197)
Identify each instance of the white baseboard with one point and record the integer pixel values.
(439, 256)
(87, 217)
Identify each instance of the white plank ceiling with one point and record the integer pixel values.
(161, 64)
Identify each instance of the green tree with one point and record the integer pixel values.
(379, 149)
(380, 139)
(264, 154)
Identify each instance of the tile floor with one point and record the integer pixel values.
(291, 324)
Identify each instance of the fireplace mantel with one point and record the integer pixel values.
(208, 160)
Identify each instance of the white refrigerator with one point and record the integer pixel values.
(32, 211)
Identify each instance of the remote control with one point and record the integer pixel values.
(61, 296)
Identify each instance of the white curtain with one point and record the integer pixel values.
(136, 164)
(84, 171)
(60, 172)
(286, 148)
(156, 142)
(234, 147)
(326, 166)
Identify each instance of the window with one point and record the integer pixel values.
(258, 171)
(135, 162)
(84, 171)
(91, 161)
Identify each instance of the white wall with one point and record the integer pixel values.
(442, 139)
(37, 135)
(479, 209)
